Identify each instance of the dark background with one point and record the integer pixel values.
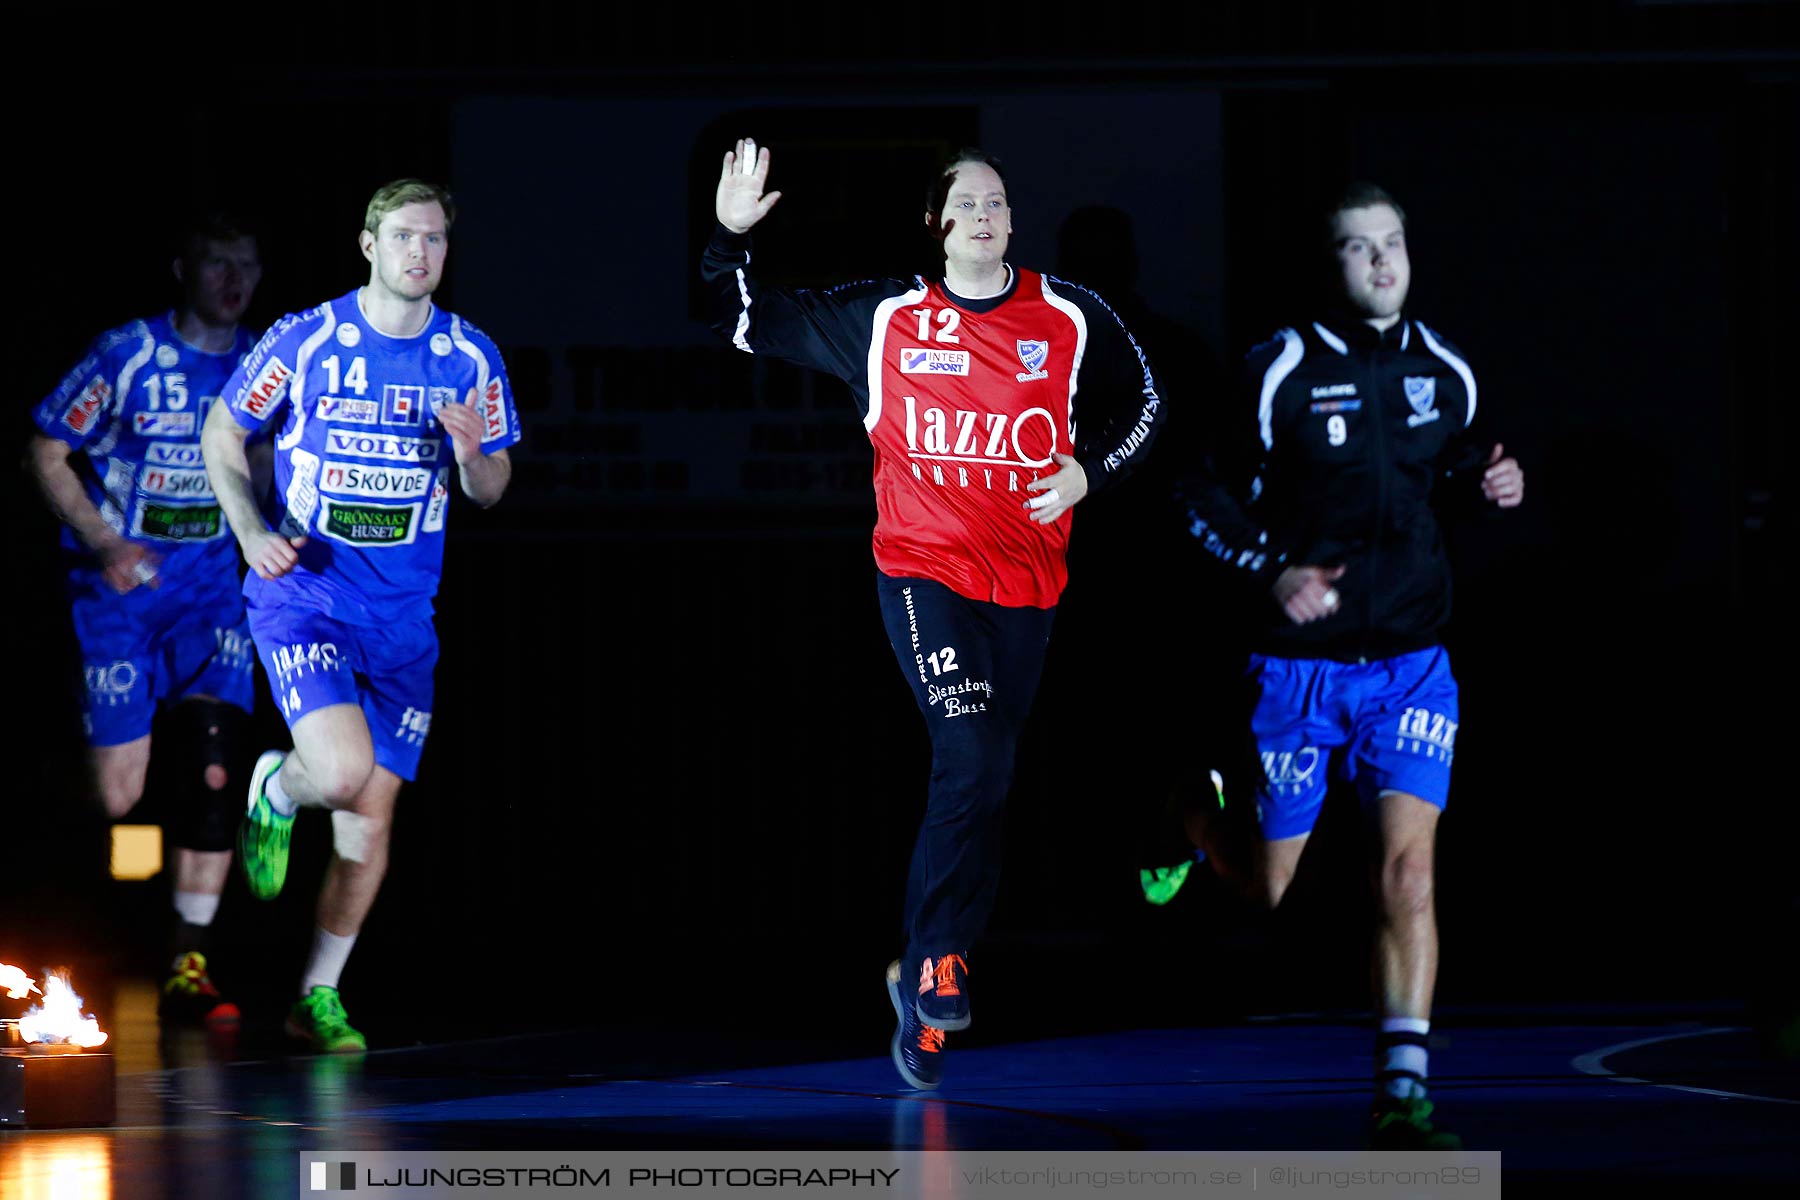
(673, 776)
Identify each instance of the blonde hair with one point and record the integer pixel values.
(398, 194)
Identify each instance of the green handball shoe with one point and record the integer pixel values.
(319, 1021)
(1405, 1124)
(264, 836)
(1161, 883)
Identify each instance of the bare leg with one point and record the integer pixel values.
(119, 775)
(1406, 942)
(332, 758)
(351, 885)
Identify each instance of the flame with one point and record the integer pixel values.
(58, 1018)
(15, 983)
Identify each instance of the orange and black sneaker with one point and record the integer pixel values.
(918, 1049)
(944, 992)
(189, 996)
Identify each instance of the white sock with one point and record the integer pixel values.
(197, 908)
(279, 800)
(1405, 1060)
(330, 952)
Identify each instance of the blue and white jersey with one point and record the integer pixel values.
(362, 466)
(135, 406)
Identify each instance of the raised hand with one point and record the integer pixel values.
(463, 423)
(740, 202)
(1503, 481)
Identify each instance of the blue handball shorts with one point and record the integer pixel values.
(1389, 724)
(154, 644)
(315, 661)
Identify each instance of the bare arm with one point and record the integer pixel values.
(222, 444)
(124, 563)
(484, 476)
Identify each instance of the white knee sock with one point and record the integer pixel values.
(197, 908)
(1404, 1058)
(279, 800)
(330, 951)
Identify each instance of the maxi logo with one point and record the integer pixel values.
(375, 445)
(175, 483)
(1290, 770)
(79, 416)
(163, 424)
(370, 524)
(261, 397)
(361, 479)
(348, 410)
(163, 454)
(110, 683)
(493, 412)
(1433, 734)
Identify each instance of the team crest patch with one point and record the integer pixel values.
(167, 356)
(1033, 356)
(1421, 393)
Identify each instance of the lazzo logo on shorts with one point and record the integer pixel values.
(164, 481)
(369, 524)
(933, 362)
(301, 658)
(1290, 770)
(163, 424)
(1433, 734)
(110, 683)
(414, 726)
(80, 413)
(163, 454)
(361, 479)
(236, 651)
(374, 445)
(349, 410)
